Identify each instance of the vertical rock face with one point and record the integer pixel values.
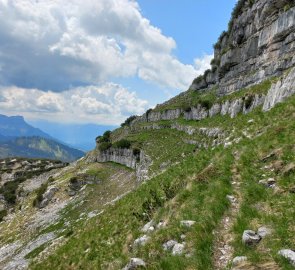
(139, 162)
(280, 91)
(260, 43)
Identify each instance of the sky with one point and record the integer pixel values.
(100, 61)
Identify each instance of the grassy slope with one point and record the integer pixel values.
(194, 189)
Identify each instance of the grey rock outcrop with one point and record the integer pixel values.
(48, 196)
(288, 254)
(280, 91)
(139, 162)
(259, 44)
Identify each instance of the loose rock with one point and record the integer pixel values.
(134, 263)
(237, 260)
(178, 249)
(288, 254)
(141, 241)
(187, 223)
(250, 238)
(263, 231)
(169, 244)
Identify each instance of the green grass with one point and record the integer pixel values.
(192, 189)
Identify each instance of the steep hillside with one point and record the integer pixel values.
(37, 147)
(203, 181)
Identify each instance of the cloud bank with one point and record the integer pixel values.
(107, 104)
(71, 47)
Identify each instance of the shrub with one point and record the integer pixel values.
(148, 111)
(198, 79)
(128, 121)
(3, 213)
(9, 191)
(136, 151)
(187, 109)
(40, 191)
(122, 144)
(248, 101)
(206, 104)
(103, 146)
(104, 138)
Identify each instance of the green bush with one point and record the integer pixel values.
(9, 191)
(3, 213)
(40, 191)
(198, 79)
(122, 144)
(128, 121)
(103, 146)
(104, 138)
(206, 104)
(136, 151)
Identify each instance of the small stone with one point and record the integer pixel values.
(250, 238)
(182, 237)
(231, 198)
(169, 245)
(148, 227)
(161, 224)
(251, 121)
(237, 260)
(71, 193)
(141, 241)
(178, 249)
(134, 263)
(263, 231)
(187, 223)
(288, 254)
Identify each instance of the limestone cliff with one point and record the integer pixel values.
(259, 43)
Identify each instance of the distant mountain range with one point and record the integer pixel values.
(80, 136)
(18, 138)
(15, 126)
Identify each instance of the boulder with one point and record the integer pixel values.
(250, 238)
(288, 254)
(134, 263)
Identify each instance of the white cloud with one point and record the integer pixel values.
(202, 64)
(107, 104)
(53, 44)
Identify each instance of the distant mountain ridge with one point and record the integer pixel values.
(38, 147)
(16, 126)
(19, 139)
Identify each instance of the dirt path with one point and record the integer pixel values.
(223, 251)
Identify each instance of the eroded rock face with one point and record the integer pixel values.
(140, 163)
(280, 91)
(260, 44)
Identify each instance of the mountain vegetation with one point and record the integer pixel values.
(202, 181)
